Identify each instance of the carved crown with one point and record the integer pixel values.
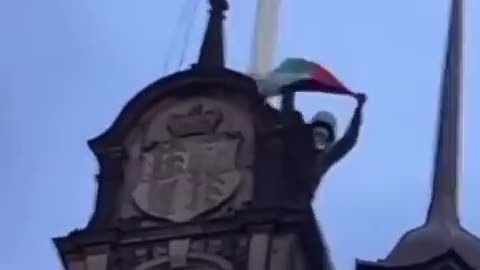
(197, 121)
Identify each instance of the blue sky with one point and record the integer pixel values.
(67, 67)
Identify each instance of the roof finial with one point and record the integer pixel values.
(212, 51)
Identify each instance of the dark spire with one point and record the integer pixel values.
(212, 51)
(442, 231)
(444, 201)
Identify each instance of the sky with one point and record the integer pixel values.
(67, 68)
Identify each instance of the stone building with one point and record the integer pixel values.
(193, 175)
(189, 178)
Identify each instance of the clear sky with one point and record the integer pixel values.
(67, 68)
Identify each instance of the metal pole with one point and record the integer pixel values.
(264, 40)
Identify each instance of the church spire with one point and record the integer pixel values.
(212, 51)
(444, 201)
(442, 232)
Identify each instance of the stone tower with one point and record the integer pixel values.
(441, 243)
(192, 176)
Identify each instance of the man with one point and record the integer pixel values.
(312, 149)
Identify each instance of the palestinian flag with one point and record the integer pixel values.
(296, 74)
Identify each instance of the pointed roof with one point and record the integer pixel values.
(212, 52)
(442, 230)
(448, 260)
(444, 201)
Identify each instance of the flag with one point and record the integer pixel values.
(296, 74)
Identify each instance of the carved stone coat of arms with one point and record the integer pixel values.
(187, 176)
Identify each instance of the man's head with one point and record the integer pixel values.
(324, 127)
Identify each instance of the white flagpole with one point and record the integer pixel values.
(264, 40)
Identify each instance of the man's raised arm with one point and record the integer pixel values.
(346, 143)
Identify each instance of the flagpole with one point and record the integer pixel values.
(264, 40)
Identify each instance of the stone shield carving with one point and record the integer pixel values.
(186, 177)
